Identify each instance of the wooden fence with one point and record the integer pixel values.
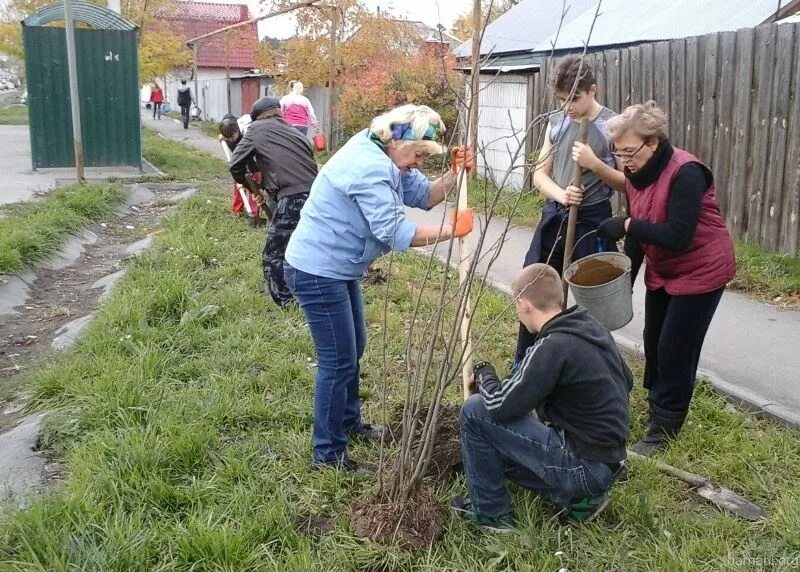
(733, 99)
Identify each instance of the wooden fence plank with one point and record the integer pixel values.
(741, 166)
(647, 73)
(790, 217)
(636, 75)
(708, 123)
(661, 74)
(782, 69)
(759, 127)
(624, 79)
(723, 150)
(612, 80)
(676, 111)
(693, 97)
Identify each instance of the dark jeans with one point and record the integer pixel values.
(157, 109)
(185, 115)
(527, 452)
(284, 220)
(674, 330)
(334, 310)
(301, 128)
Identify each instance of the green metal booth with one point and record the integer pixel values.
(108, 83)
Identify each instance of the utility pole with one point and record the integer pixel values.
(332, 72)
(74, 96)
(194, 73)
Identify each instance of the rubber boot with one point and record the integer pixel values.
(664, 425)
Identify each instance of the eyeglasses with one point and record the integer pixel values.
(627, 156)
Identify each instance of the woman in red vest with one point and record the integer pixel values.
(674, 222)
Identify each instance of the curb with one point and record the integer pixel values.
(742, 398)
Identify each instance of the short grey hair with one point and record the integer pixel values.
(647, 120)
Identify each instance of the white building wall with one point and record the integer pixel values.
(501, 128)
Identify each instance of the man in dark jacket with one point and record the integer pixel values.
(558, 425)
(287, 166)
(185, 100)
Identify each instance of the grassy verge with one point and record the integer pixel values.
(767, 275)
(31, 231)
(14, 115)
(180, 161)
(183, 422)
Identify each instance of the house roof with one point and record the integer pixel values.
(525, 26)
(191, 19)
(659, 20)
(533, 25)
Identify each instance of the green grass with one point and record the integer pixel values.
(180, 161)
(15, 115)
(523, 207)
(31, 231)
(182, 419)
(768, 275)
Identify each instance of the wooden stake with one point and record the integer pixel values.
(464, 251)
(569, 243)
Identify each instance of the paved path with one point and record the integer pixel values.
(751, 353)
(173, 129)
(21, 183)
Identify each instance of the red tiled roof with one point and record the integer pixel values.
(192, 19)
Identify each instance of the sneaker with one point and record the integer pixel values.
(369, 432)
(585, 509)
(347, 465)
(461, 507)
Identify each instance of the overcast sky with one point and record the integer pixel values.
(431, 12)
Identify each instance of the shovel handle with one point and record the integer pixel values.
(572, 221)
(687, 477)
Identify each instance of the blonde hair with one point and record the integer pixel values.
(420, 117)
(647, 120)
(297, 87)
(540, 285)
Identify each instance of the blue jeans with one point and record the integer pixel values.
(301, 128)
(334, 310)
(527, 452)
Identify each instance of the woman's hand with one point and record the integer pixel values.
(462, 224)
(461, 157)
(572, 196)
(614, 228)
(583, 155)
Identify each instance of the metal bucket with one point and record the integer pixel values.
(601, 283)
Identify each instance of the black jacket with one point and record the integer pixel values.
(575, 379)
(184, 95)
(283, 155)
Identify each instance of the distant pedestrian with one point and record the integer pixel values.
(185, 101)
(297, 109)
(156, 98)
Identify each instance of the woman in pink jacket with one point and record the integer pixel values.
(297, 109)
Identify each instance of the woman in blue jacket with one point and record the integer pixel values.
(354, 214)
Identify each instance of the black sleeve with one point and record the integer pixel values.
(242, 156)
(683, 211)
(531, 384)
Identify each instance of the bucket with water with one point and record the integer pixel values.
(601, 283)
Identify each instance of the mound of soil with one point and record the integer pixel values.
(446, 459)
(416, 523)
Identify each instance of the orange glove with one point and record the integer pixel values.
(461, 156)
(462, 224)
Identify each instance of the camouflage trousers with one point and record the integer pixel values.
(284, 220)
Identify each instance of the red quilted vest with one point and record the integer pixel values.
(709, 263)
